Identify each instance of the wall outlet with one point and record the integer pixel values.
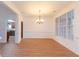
(0, 37)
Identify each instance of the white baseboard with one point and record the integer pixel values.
(68, 44)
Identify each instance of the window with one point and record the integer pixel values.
(64, 25)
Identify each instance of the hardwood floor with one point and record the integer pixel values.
(37, 48)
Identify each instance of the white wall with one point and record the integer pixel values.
(73, 45)
(18, 20)
(5, 14)
(18, 29)
(33, 30)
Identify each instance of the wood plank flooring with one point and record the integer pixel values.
(37, 48)
(43, 48)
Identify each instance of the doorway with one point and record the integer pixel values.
(10, 30)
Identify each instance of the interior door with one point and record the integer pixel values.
(21, 29)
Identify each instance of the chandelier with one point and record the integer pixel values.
(39, 20)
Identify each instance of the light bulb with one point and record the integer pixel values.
(42, 20)
(37, 21)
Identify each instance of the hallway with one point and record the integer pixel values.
(36, 47)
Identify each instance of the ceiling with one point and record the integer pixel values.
(31, 8)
